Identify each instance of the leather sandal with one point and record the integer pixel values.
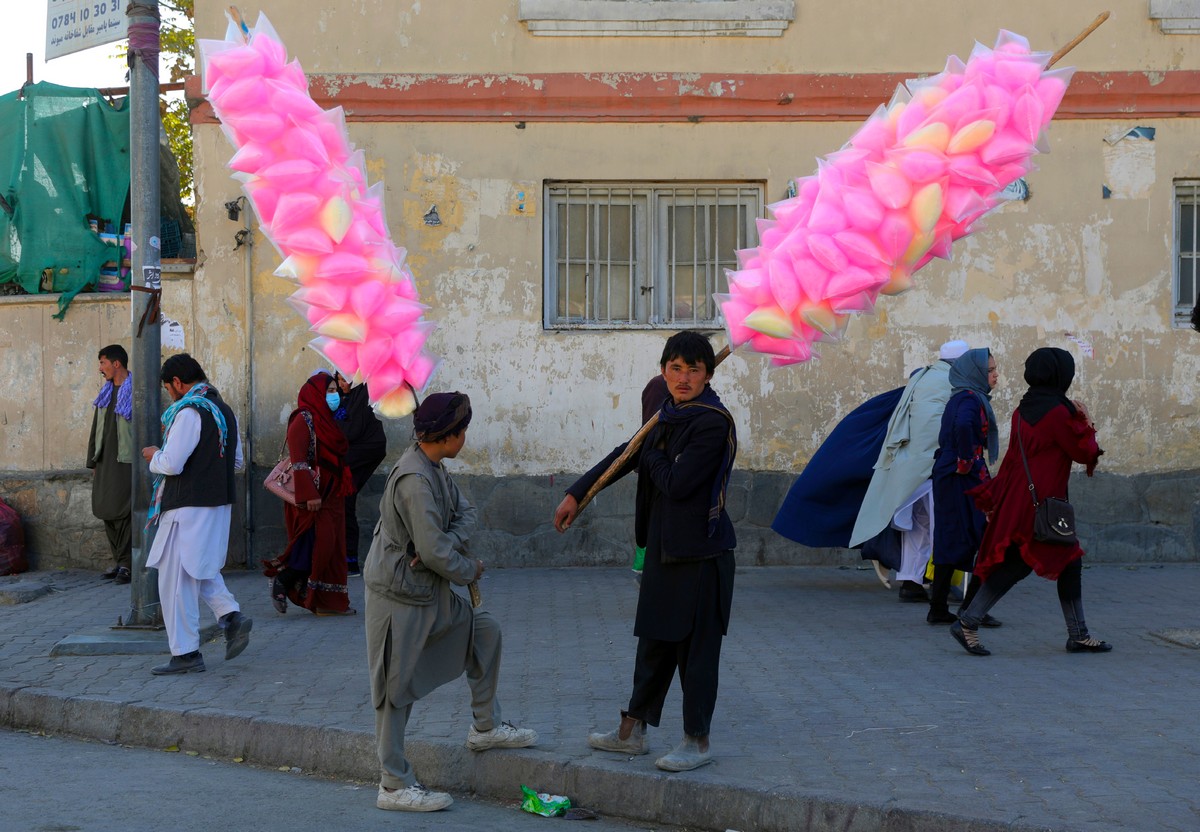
(969, 639)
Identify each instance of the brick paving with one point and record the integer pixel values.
(840, 708)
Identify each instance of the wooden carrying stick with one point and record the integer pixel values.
(636, 442)
(240, 21)
(631, 448)
(1078, 39)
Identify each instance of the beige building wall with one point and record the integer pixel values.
(856, 36)
(1067, 267)
(49, 376)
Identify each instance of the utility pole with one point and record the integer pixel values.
(146, 282)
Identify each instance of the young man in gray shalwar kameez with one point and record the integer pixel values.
(420, 633)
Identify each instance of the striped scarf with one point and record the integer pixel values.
(194, 398)
(124, 397)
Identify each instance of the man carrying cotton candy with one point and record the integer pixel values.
(420, 633)
(686, 591)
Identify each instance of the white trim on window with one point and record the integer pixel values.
(1176, 17)
(656, 18)
(1185, 250)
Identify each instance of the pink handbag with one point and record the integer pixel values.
(281, 481)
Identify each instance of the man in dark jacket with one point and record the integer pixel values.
(687, 587)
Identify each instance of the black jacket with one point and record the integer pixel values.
(676, 467)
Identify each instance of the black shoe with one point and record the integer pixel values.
(1088, 645)
(352, 569)
(969, 639)
(110, 574)
(237, 633)
(122, 576)
(943, 616)
(279, 597)
(187, 663)
(912, 592)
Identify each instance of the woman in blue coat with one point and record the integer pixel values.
(967, 442)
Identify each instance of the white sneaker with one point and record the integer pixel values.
(415, 798)
(504, 735)
(685, 756)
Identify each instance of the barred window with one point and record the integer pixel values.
(1187, 249)
(640, 256)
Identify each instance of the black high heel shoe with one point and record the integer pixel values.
(279, 596)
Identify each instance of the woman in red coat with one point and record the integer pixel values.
(1055, 431)
(311, 572)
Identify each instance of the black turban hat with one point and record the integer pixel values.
(440, 415)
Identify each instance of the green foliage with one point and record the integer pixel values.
(178, 39)
(175, 119)
(177, 57)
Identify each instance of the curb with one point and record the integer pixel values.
(348, 754)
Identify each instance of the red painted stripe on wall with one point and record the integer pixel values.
(675, 97)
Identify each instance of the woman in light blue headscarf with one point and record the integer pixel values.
(967, 443)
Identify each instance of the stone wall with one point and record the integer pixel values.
(60, 531)
(1141, 519)
(56, 509)
(1146, 518)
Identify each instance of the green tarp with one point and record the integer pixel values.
(64, 155)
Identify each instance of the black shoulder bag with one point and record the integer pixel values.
(1053, 517)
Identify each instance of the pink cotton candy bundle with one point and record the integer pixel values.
(915, 177)
(307, 184)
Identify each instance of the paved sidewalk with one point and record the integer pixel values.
(840, 708)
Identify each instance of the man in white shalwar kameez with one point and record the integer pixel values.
(900, 494)
(193, 503)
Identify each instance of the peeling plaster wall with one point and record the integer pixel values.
(1066, 268)
(398, 36)
(1065, 262)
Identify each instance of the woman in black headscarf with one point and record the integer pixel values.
(1054, 431)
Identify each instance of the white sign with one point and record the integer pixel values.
(171, 335)
(75, 25)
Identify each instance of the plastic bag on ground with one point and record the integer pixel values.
(546, 805)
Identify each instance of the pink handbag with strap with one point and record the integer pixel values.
(281, 481)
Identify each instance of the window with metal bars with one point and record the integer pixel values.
(1187, 249)
(643, 255)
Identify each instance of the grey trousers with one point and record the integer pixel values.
(483, 674)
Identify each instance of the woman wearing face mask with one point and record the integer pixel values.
(1054, 432)
(967, 443)
(311, 571)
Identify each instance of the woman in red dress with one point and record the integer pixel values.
(1055, 431)
(311, 571)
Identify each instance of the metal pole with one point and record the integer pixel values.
(146, 260)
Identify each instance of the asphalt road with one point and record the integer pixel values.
(54, 784)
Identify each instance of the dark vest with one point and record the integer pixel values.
(207, 477)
